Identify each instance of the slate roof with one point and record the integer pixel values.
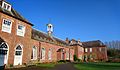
(13, 13)
(41, 36)
(96, 43)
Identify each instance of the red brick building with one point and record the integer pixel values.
(90, 50)
(20, 43)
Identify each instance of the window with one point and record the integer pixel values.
(50, 54)
(18, 50)
(20, 30)
(90, 49)
(6, 25)
(86, 50)
(67, 55)
(3, 49)
(34, 53)
(43, 53)
(71, 56)
(100, 49)
(6, 6)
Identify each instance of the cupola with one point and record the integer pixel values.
(50, 29)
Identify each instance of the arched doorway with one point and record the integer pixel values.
(61, 54)
(18, 55)
(3, 53)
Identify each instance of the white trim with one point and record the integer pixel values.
(90, 49)
(34, 58)
(42, 53)
(67, 55)
(7, 52)
(5, 26)
(6, 6)
(100, 49)
(86, 49)
(21, 32)
(15, 53)
(50, 54)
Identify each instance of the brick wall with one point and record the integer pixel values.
(55, 54)
(13, 40)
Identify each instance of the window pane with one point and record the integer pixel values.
(20, 27)
(3, 45)
(18, 53)
(19, 48)
(6, 22)
(5, 5)
(3, 52)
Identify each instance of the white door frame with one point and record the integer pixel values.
(17, 55)
(6, 60)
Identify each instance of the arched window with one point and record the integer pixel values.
(50, 54)
(67, 55)
(3, 49)
(18, 50)
(43, 53)
(34, 53)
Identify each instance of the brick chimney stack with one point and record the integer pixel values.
(67, 40)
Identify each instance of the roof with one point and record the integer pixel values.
(41, 36)
(96, 43)
(13, 13)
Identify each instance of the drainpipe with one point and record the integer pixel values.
(39, 56)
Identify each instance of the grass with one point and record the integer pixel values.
(48, 65)
(98, 66)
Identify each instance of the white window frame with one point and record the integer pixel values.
(43, 53)
(67, 55)
(8, 6)
(90, 49)
(21, 32)
(86, 49)
(100, 49)
(17, 50)
(50, 54)
(34, 52)
(6, 28)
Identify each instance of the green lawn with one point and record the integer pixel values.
(48, 65)
(98, 66)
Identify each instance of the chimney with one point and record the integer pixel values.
(79, 42)
(67, 40)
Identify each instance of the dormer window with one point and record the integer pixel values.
(6, 6)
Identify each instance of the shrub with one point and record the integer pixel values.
(62, 61)
(11, 65)
(75, 58)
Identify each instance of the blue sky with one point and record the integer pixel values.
(79, 19)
